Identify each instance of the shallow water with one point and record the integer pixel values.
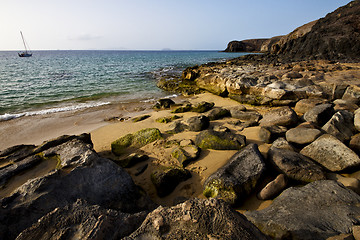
(53, 81)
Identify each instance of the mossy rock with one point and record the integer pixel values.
(182, 109)
(202, 107)
(135, 140)
(140, 118)
(167, 119)
(217, 189)
(166, 179)
(209, 139)
(186, 154)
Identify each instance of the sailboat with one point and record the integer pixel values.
(26, 53)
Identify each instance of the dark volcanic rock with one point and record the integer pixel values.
(334, 37)
(251, 45)
(81, 174)
(331, 153)
(198, 123)
(319, 210)
(164, 103)
(218, 113)
(197, 219)
(202, 107)
(83, 221)
(295, 165)
(235, 180)
(165, 180)
(186, 154)
(271, 133)
(209, 139)
(319, 114)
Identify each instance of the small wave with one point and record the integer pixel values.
(7, 116)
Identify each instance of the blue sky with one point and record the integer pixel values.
(151, 25)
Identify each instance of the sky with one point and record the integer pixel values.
(151, 24)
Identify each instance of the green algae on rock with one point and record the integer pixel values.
(209, 139)
(167, 119)
(136, 140)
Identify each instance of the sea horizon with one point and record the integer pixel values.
(66, 80)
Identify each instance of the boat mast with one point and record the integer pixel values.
(23, 42)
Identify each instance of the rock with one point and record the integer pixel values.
(356, 232)
(85, 222)
(218, 113)
(305, 105)
(209, 139)
(167, 119)
(348, 236)
(140, 118)
(341, 104)
(164, 103)
(341, 125)
(269, 134)
(16, 153)
(320, 114)
(319, 210)
(182, 109)
(283, 116)
(202, 107)
(186, 154)
(331, 153)
(349, 182)
(357, 119)
(166, 179)
(135, 140)
(198, 123)
(176, 127)
(141, 169)
(282, 144)
(81, 174)
(302, 135)
(236, 180)
(295, 166)
(245, 116)
(197, 219)
(273, 188)
(355, 143)
(132, 160)
(293, 75)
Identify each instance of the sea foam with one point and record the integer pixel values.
(6, 116)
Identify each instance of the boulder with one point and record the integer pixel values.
(140, 118)
(283, 116)
(273, 188)
(237, 179)
(318, 210)
(295, 166)
(198, 123)
(164, 103)
(302, 135)
(182, 109)
(209, 139)
(331, 153)
(167, 119)
(83, 221)
(186, 154)
(135, 140)
(16, 153)
(166, 179)
(80, 174)
(271, 133)
(305, 105)
(218, 113)
(202, 107)
(349, 182)
(357, 119)
(355, 143)
(320, 114)
(282, 144)
(197, 219)
(341, 125)
(245, 116)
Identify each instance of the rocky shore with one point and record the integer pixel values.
(272, 152)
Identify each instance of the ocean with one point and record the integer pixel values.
(57, 81)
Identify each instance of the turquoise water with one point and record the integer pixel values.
(53, 81)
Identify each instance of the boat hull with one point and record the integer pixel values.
(25, 54)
